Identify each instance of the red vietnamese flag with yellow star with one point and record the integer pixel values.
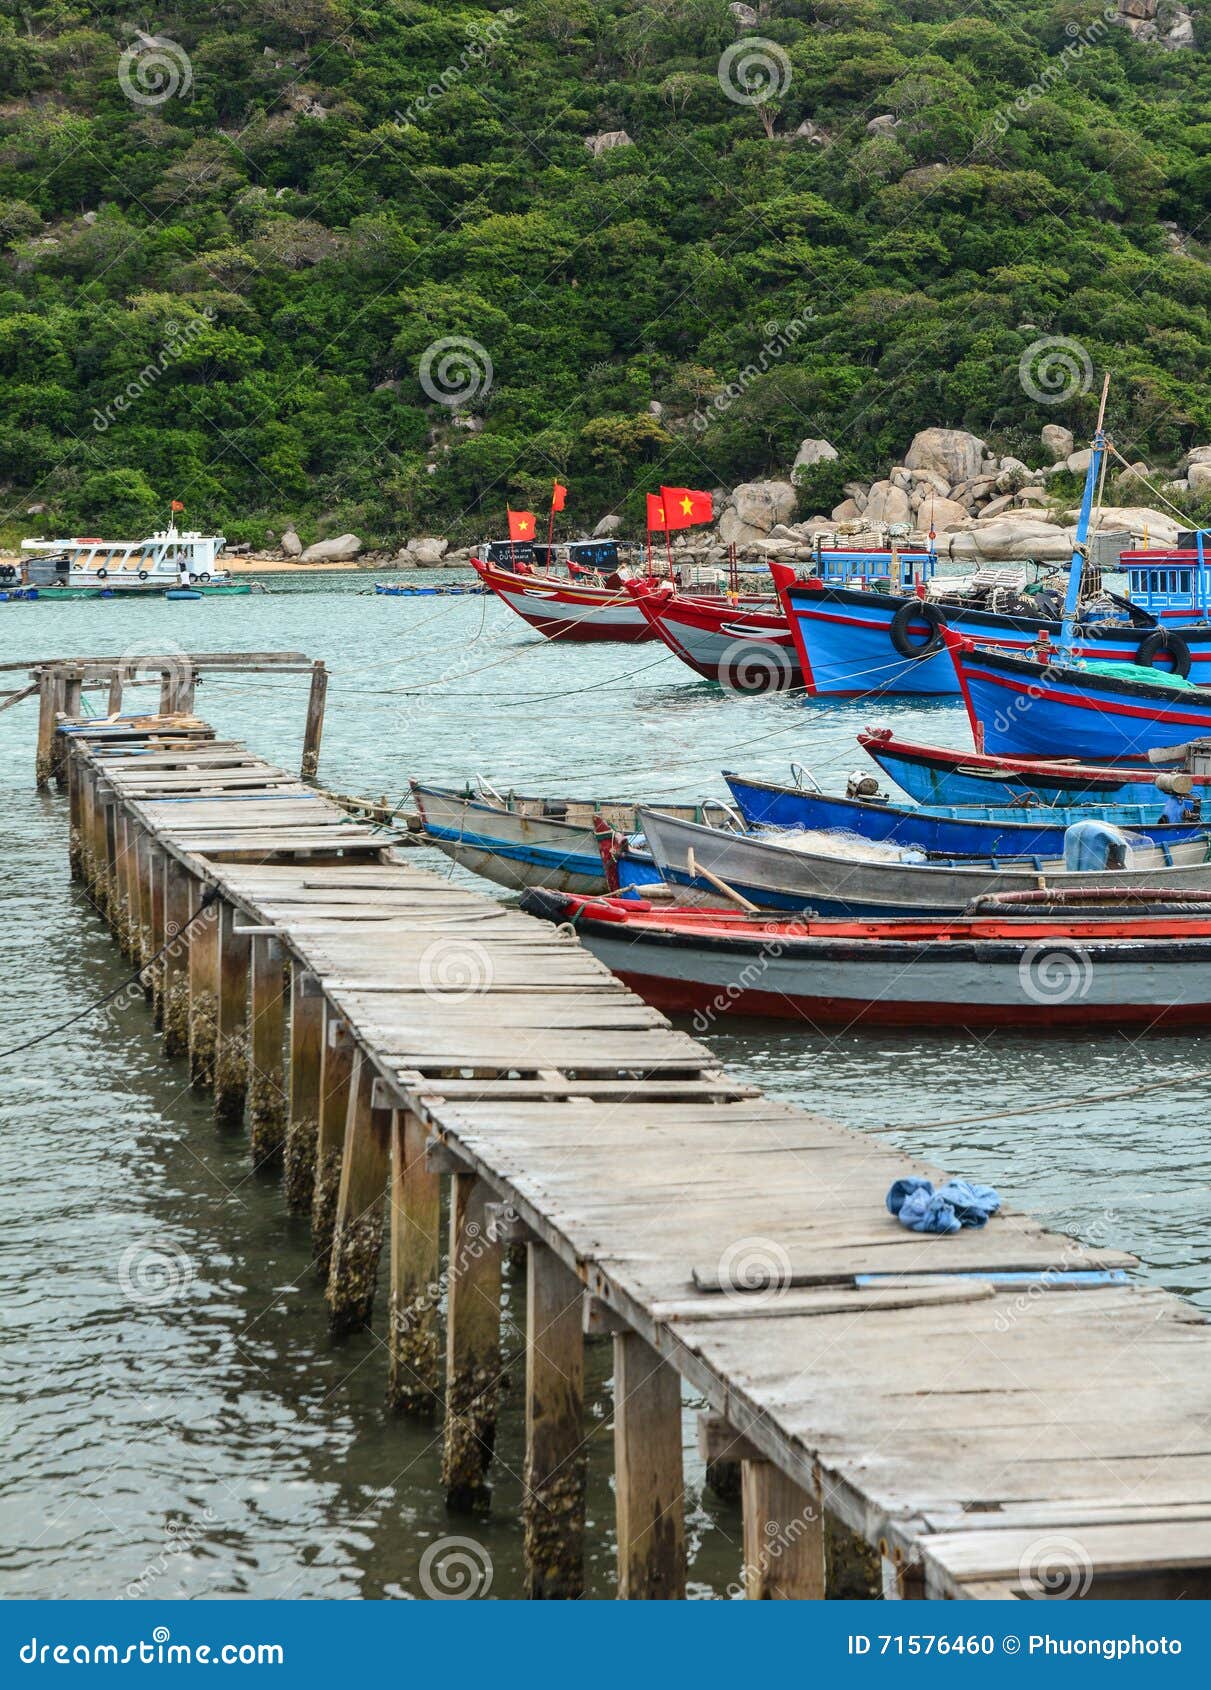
(655, 515)
(558, 494)
(521, 525)
(686, 508)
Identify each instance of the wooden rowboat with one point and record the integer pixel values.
(1116, 969)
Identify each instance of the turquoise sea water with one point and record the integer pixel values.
(216, 1443)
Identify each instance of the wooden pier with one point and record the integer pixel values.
(377, 1031)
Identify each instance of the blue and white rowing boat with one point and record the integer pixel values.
(517, 841)
(949, 831)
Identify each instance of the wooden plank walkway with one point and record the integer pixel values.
(1041, 1435)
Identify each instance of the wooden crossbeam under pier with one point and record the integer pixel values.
(429, 1033)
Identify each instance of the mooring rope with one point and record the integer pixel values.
(209, 898)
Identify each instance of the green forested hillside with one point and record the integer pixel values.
(225, 255)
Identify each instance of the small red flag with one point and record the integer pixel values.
(521, 525)
(655, 515)
(177, 505)
(685, 508)
(558, 494)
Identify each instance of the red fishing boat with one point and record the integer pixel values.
(1120, 962)
(743, 642)
(567, 609)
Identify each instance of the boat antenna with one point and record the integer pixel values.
(1076, 567)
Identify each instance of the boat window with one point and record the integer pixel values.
(1185, 579)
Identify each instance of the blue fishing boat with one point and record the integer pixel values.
(452, 589)
(853, 638)
(933, 774)
(1102, 712)
(984, 831)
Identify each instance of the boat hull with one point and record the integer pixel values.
(986, 832)
(1041, 977)
(776, 877)
(524, 846)
(1027, 709)
(843, 638)
(746, 646)
(934, 775)
(562, 611)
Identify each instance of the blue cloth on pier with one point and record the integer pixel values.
(951, 1207)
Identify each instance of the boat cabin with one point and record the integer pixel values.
(1173, 581)
(885, 570)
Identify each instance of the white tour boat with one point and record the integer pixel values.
(161, 562)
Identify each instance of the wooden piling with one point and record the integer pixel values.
(357, 1234)
(113, 703)
(203, 988)
(553, 1500)
(335, 1074)
(231, 1048)
(306, 1061)
(68, 706)
(472, 1348)
(783, 1536)
(151, 886)
(178, 935)
(414, 1376)
(46, 729)
(314, 730)
(649, 1488)
(130, 940)
(266, 1072)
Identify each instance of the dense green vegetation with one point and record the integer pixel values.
(225, 294)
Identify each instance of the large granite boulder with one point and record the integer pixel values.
(607, 526)
(813, 452)
(886, 504)
(341, 550)
(292, 546)
(951, 452)
(762, 505)
(1057, 441)
(428, 552)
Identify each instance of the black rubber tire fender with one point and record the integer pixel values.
(1164, 642)
(917, 610)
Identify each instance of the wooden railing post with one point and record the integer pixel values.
(313, 733)
(472, 1348)
(649, 1488)
(553, 1501)
(414, 1377)
(48, 698)
(306, 1061)
(266, 1037)
(357, 1236)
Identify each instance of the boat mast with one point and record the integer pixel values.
(1076, 568)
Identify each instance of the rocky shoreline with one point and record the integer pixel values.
(981, 507)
